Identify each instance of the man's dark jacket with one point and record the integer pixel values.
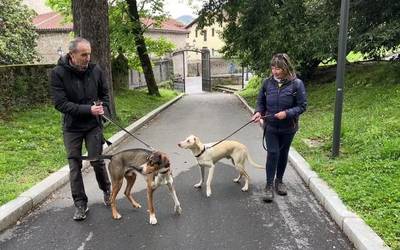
(289, 97)
(75, 91)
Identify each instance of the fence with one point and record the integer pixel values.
(163, 71)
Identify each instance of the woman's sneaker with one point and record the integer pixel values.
(280, 188)
(80, 212)
(269, 194)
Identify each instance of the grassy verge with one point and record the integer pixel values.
(367, 174)
(31, 145)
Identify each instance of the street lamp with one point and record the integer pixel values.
(344, 19)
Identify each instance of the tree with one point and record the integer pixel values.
(374, 26)
(306, 29)
(257, 29)
(17, 33)
(91, 23)
(141, 48)
(123, 36)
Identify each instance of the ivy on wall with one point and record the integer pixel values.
(23, 86)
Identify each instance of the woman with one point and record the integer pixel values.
(281, 100)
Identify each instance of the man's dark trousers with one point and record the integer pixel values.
(94, 145)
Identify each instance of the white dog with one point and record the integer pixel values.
(207, 155)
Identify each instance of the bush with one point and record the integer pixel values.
(23, 86)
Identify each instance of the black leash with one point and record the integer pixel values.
(116, 124)
(234, 132)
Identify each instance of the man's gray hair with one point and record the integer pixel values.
(73, 45)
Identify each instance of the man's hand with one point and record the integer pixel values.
(97, 109)
(281, 115)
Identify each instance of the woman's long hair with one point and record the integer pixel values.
(282, 61)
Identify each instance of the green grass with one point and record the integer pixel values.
(367, 174)
(31, 145)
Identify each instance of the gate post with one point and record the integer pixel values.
(205, 69)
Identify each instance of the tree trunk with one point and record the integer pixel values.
(142, 49)
(76, 13)
(93, 26)
(120, 72)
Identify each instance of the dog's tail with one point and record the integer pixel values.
(91, 158)
(252, 162)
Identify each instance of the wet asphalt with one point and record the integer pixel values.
(229, 219)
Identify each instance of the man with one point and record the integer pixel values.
(76, 85)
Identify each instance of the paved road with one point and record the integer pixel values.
(230, 219)
(193, 85)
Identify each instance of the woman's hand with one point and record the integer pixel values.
(256, 118)
(281, 115)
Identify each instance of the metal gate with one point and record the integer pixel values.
(205, 70)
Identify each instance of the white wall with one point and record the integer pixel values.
(37, 5)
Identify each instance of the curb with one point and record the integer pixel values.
(358, 232)
(13, 210)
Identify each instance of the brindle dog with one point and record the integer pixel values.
(154, 165)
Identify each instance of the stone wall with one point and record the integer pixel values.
(235, 79)
(23, 86)
(48, 44)
(219, 66)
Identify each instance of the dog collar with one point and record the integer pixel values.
(164, 171)
(202, 151)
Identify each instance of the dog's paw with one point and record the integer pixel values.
(116, 216)
(245, 189)
(198, 185)
(208, 193)
(153, 219)
(136, 205)
(178, 209)
(236, 180)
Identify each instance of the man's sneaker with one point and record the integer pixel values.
(269, 193)
(280, 188)
(107, 200)
(80, 212)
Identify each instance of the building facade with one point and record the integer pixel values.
(209, 37)
(54, 35)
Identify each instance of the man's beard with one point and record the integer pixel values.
(82, 67)
(79, 67)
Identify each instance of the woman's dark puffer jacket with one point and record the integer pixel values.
(290, 97)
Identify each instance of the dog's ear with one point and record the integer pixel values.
(155, 158)
(165, 161)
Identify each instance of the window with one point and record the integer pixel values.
(196, 33)
(212, 51)
(205, 35)
(212, 32)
